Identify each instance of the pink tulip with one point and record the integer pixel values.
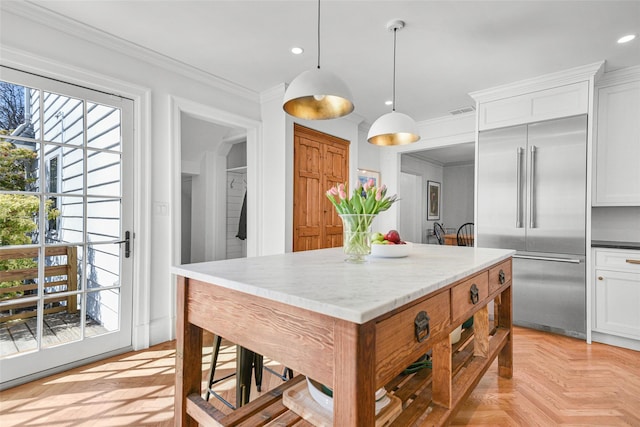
(379, 195)
(333, 191)
(371, 183)
(343, 194)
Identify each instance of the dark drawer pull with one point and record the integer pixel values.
(501, 277)
(422, 326)
(474, 293)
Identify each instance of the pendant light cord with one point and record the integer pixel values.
(393, 105)
(318, 34)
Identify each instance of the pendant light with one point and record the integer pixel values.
(317, 94)
(394, 128)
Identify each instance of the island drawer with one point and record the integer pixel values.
(499, 275)
(467, 295)
(396, 341)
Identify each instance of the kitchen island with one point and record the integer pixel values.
(353, 327)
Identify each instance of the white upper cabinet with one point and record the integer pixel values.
(552, 96)
(617, 142)
(562, 101)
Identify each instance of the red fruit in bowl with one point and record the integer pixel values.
(393, 236)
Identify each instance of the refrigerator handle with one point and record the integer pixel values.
(544, 258)
(519, 187)
(532, 183)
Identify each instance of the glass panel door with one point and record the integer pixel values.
(65, 189)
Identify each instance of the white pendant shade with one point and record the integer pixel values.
(318, 95)
(393, 129)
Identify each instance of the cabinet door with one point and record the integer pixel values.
(617, 148)
(617, 298)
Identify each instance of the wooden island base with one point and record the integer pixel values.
(354, 359)
(414, 390)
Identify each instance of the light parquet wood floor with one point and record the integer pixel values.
(557, 381)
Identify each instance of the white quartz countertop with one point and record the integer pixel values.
(321, 281)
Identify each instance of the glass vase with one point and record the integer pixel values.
(356, 236)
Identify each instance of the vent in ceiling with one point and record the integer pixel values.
(462, 110)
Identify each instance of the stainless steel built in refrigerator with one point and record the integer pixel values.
(532, 198)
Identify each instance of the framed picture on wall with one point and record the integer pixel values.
(365, 175)
(433, 200)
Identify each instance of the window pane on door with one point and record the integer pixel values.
(103, 173)
(103, 265)
(62, 320)
(103, 219)
(103, 309)
(63, 119)
(18, 335)
(17, 117)
(19, 218)
(103, 127)
(68, 225)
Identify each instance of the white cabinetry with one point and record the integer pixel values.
(616, 296)
(562, 101)
(552, 96)
(617, 143)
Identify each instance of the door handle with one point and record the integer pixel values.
(633, 261)
(543, 258)
(519, 187)
(127, 244)
(532, 184)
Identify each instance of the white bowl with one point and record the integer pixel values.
(315, 390)
(456, 334)
(390, 251)
(318, 395)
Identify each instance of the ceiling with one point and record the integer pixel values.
(446, 50)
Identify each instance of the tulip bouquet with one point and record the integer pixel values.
(357, 214)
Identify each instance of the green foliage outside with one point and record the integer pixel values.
(18, 212)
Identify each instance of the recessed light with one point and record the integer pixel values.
(388, 102)
(627, 38)
(297, 50)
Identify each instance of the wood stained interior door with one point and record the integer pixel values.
(320, 161)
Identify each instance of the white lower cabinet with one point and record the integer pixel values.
(616, 293)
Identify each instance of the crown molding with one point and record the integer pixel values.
(619, 76)
(57, 22)
(271, 94)
(561, 78)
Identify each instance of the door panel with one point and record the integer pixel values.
(77, 146)
(557, 154)
(501, 169)
(320, 161)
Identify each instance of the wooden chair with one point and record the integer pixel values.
(439, 232)
(465, 234)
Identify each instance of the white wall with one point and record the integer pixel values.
(457, 195)
(427, 171)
